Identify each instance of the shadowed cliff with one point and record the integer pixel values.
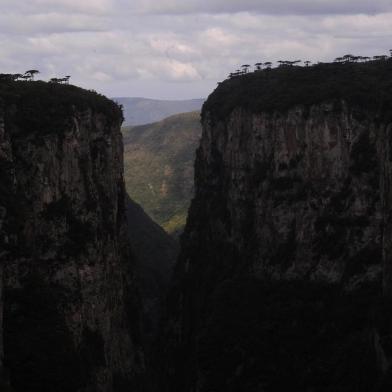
(283, 278)
(155, 252)
(71, 313)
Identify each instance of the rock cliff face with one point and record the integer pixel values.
(300, 191)
(70, 319)
(279, 282)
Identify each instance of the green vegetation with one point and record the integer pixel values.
(362, 84)
(53, 102)
(158, 160)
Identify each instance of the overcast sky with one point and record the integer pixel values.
(176, 49)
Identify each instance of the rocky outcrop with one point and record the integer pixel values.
(279, 281)
(70, 307)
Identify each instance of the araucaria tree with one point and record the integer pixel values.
(31, 73)
(245, 67)
(345, 60)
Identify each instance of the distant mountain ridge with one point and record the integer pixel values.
(140, 111)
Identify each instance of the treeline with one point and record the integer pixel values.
(29, 77)
(351, 79)
(348, 58)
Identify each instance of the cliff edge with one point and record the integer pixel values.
(70, 309)
(284, 276)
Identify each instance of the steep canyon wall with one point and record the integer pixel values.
(70, 319)
(284, 272)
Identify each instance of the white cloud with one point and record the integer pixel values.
(121, 47)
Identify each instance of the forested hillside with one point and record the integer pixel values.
(158, 161)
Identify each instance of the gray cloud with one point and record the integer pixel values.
(28, 7)
(54, 22)
(152, 50)
(282, 7)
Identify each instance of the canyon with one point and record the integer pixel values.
(284, 274)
